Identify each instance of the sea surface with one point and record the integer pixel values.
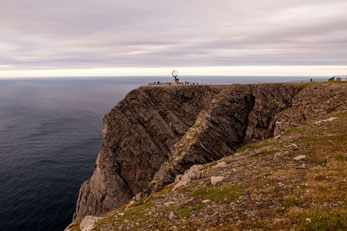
(50, 133)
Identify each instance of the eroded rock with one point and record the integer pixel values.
(216, 179)
(291, 147)
(237, 115)
(172, 216)
(220, 165)
(192, 173)
(88, 222)
(137, 137)
(326, 120)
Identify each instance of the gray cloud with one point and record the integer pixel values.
(157, 33)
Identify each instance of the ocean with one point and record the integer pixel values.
(50, 133)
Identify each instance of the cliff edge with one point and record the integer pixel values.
(158, 132)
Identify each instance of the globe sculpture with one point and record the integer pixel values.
(175, 75)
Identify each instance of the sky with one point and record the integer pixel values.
(152, 37)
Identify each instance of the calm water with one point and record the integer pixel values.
(50, 132)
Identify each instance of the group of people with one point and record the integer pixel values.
(171, 83)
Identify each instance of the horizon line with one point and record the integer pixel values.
(240, 71)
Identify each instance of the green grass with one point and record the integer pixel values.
(136, 212)
(291, 131)
(265, 152)
(342, 115)
(253, 146)
(321, 161)
(292, 202)
(318, 220)
(340, 157)
(197, 207)
(144, 203)
(169, 208)
(220, 194)
(185, 212)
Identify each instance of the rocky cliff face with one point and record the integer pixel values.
(239, 114)
(157, 132)
(294, 181)
(138, 134)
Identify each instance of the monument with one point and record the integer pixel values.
(175, 75)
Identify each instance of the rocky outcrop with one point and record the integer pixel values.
(138, 134)
(316, 99)
(239, 114)
(158, 132)
(88, 223)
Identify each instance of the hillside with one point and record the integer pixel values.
(292, 181)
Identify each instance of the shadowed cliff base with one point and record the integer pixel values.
(156, 133)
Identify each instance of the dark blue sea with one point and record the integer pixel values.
(50, 132)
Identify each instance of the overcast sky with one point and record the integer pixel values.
(159, 34)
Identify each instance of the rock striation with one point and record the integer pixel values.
(239, 114)
(137, 137)
(159, 132)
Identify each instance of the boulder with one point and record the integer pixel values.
(216, 179)
(88, 222)
(291, 147)
(220, 165)
(192, 173)
(172, 216)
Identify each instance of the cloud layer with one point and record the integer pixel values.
(49, 34)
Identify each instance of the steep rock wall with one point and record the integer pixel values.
(138, 134)
(157, 132)
(237, 115)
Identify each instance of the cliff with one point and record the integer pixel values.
(158, 132)
(138, 135)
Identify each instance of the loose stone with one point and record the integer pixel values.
(216, 179)
(172, 216)
(300, 157)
